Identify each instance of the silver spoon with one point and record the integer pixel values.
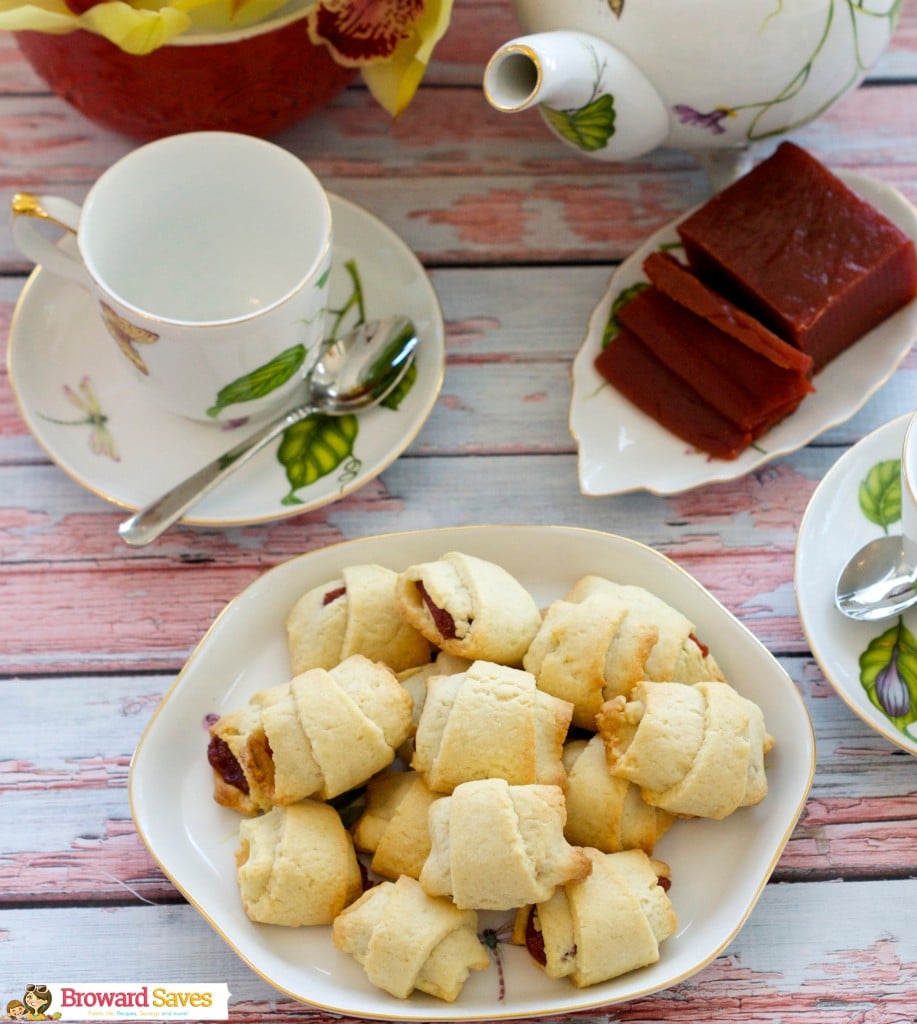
(357, 371)
(880, 581)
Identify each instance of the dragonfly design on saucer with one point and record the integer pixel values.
(83, 396)
(888, 665)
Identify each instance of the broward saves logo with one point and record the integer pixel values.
(95, 1001)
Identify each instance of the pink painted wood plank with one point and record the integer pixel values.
(839, 812)
(151, 631)
(485, 188)
(58, 613)
(447, 132)
(115, 867)
(66, 568)
(863, 850)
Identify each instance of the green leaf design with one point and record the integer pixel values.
(260, 382)
(589, 128)
(613, 327)
(393, 400)
(880, 493)
(314, 448)
(888, 674)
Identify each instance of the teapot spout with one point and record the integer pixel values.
(591, 95)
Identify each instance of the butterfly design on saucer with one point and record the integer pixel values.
(128, 336)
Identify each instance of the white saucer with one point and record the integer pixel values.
(833, 528)
(57, 341)
(622, 449)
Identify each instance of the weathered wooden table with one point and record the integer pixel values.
(519, 237)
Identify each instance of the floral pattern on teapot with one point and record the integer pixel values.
(616, 78)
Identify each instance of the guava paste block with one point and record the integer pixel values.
(741, 384)
(794, 246)
(677, 281)
(651, 386)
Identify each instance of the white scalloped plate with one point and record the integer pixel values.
(194, 840)
(622, 449)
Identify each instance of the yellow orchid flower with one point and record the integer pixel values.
(134, 30)
(53, 17)
(216, 15)
(391, 41)
(137, 27)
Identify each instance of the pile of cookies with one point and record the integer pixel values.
(506, 759)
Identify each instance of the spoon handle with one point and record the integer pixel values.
(149, 522)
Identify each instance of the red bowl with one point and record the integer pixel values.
(258, 80)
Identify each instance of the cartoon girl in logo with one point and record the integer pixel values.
(37, 999)
(15, 1008)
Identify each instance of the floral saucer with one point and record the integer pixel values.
(871, 665)
(88, 415)
(622, 449)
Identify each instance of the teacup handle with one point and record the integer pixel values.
(28, 209)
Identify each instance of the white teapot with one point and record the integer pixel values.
(617, 78)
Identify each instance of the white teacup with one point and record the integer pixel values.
(208, 255)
